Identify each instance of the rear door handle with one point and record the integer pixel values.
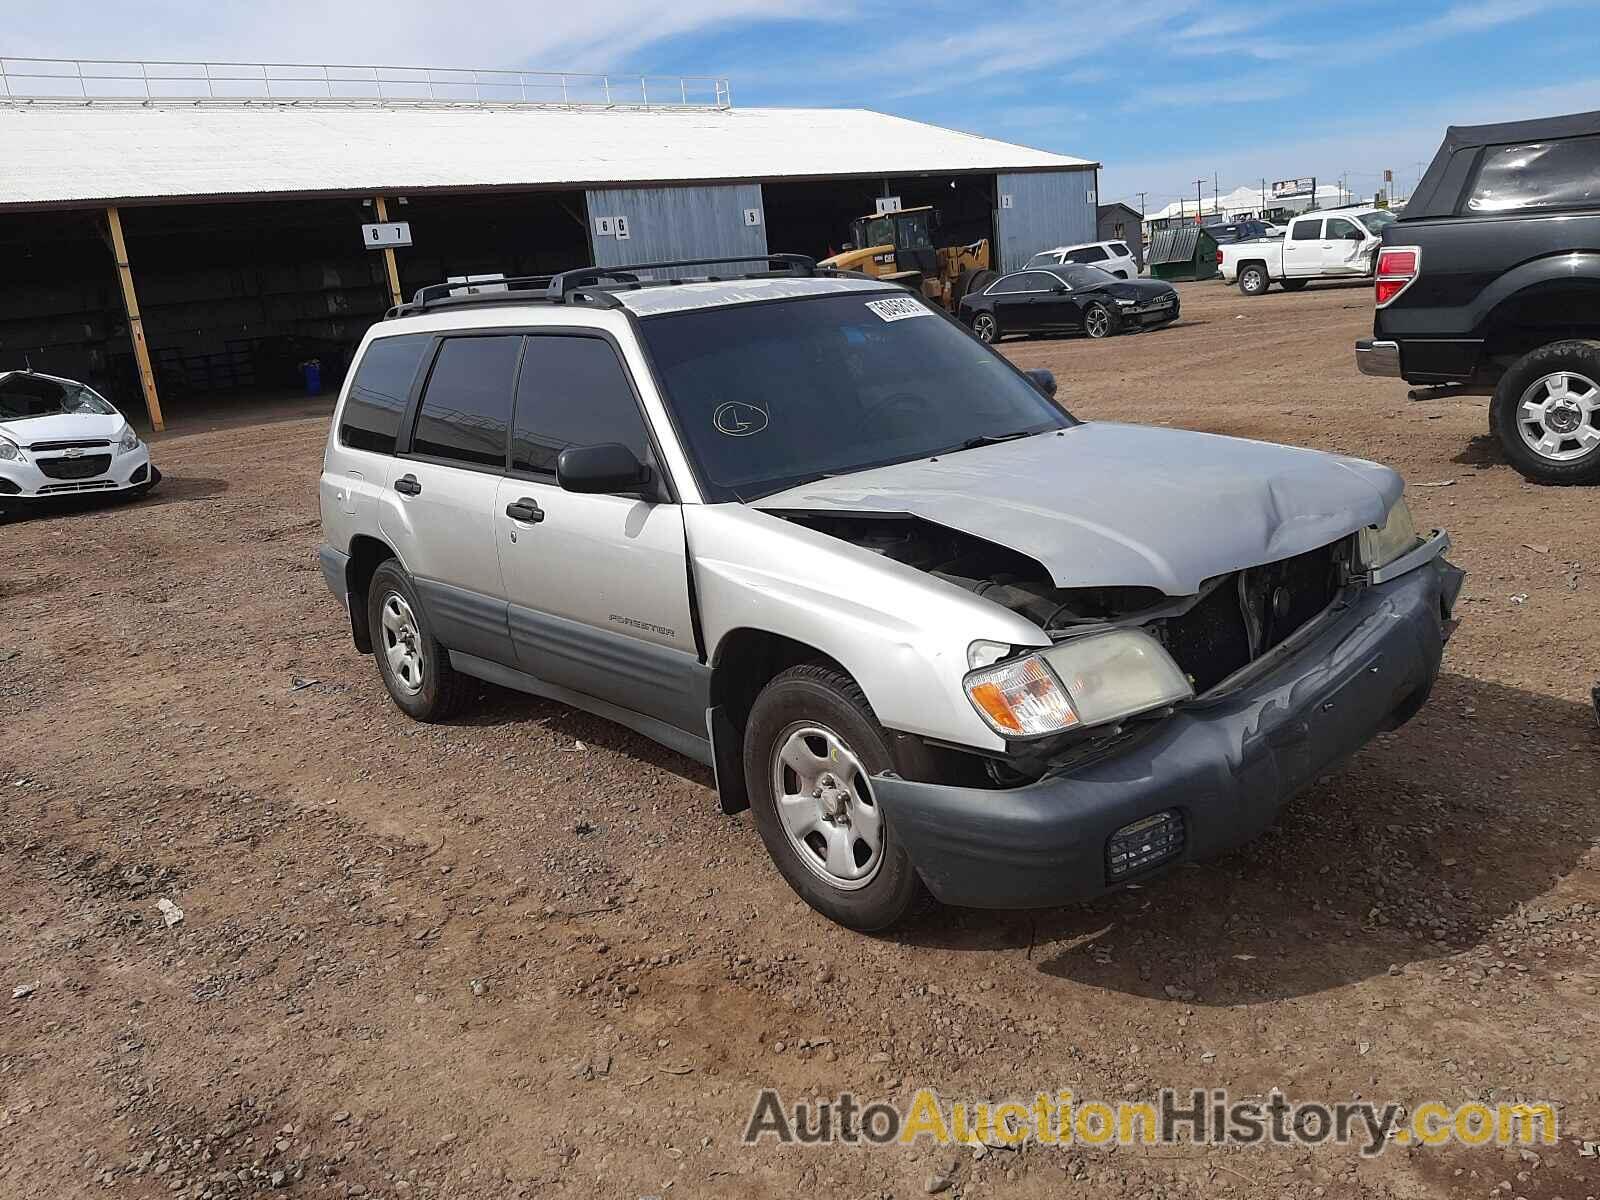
(525, 509)
(407, 485)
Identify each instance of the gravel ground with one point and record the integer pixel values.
(524, 955)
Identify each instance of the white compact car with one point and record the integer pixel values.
(59, 437)
(1112, 257)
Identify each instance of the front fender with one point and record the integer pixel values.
(901, 634)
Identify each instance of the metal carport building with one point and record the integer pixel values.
(194, 230)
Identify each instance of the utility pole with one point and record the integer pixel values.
(1263, 213)
(1199, 201)
(1141, 204)
(1216, 202)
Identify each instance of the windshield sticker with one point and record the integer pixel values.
(739, 420)
(899, 308)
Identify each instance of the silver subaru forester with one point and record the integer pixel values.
(940, 636)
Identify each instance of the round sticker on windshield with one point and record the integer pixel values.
(738, 420)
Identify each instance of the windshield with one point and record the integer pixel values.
(1078, 277)
(770, 396)
(23, 396)
(1377, 221)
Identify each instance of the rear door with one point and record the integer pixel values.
(1302, 248)
(439, 506)
(597, 585)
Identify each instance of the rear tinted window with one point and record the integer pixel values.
(466, 407)
(1089, 254)
(1122, 249)
(378, 394)
(572, 392)
(1305, 231)
(1558, 174)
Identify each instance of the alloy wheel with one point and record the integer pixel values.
(984, 327)
(1559, 416)
(825, 803)
(402, 644)
(1097, 322)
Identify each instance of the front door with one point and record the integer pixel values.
(1342, 241)
(438, 508)
(597, 585)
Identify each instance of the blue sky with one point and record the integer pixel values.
(1163, 92)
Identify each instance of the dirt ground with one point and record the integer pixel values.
(524, 954)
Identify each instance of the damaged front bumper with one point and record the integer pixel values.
(1214, 774)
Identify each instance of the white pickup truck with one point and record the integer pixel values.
(1333, 244)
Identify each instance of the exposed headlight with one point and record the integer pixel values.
(1382, 544)
(129, 442)
(10, 451)
(1078, 684)
(1129, 303)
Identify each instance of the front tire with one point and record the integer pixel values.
(811, 749)
(414, 667)
(1100, 322)
(1253, 280)
(1546, 412)
(986, 328)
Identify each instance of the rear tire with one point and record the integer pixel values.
(414, 667)
(811, 749)
(1546, 413)
(1253, 279)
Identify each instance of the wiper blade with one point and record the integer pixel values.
(992, 439)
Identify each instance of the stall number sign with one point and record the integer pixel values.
(1005, 200)
(386, 233)
(616, 227)
(752, 216)
(888, 204)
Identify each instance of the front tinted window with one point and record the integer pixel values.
(1305, 231)
(467, 404)
(379, 392)
(768, 396)
(572, 392)
(1340, 230)
(1558, 174)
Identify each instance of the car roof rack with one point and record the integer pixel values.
(593, 285)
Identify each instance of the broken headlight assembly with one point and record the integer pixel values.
(1080, 683)
(1382, 544)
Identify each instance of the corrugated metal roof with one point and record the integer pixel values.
(86, 154)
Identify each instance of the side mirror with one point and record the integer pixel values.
(1043, 379)
(1060, 289)
(608, 467)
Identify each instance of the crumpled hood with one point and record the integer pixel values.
(64, 427)
(1105, 504)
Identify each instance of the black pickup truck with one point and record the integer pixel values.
(1489, 284)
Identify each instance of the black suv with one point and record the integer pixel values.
(1490, 284)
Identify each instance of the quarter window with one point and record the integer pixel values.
(467, 405)
(1564, 173)
(1305, 231)
(379, 391)
(573, 392)
(1011, 283)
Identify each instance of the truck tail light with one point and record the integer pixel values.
(1219, 256)
(1398, 268)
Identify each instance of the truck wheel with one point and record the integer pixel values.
(415, 668)
(986, 328)
(1294, 285)
(1253, 279)
(1099, 321)
(811, 748)
(1546, 411)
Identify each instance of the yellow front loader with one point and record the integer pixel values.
(898, 246)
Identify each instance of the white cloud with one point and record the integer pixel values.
(477, 33)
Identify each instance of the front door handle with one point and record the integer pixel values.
(525, 509)
(407, 485)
